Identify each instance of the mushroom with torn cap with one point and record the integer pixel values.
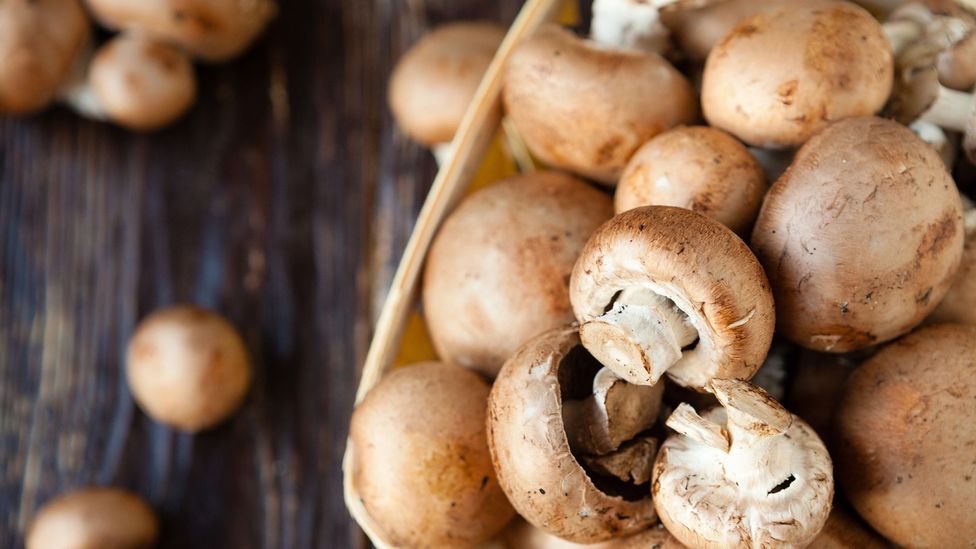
(661, 290)
(749, 474)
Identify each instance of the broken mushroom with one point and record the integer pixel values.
(782, 75)
(666, 290)
(959, 303)
(747, 475)
(854, 256)
(498, 269)
(587, 108)
(421, 464)
(90, 518)
(906, 437)
(702, 169)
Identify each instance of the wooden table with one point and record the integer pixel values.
(283, 200)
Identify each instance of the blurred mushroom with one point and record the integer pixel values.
(522, 535)
(660, 289)
(697, 29)
(959, 303)
(950, 34)
(90, 518)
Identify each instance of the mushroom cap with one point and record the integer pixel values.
(697, 263)
(530, 449)
(39, 42)
(421, 463)
(142, 84)
(845, 530)
(435, 80)
(92, 518)
(959, 303)
(782, 75)
(522, 535)
(587, 108)
(861, 237)
(187, 367)
(906, 436)
(698, 168)
(210, 30)
(698, 30)
(957, 63)
(498, 270)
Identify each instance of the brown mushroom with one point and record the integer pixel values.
(522, 535)
(187, 367)
(906, 438)
(959, 303)
(39, 42)
(421, 464)
(94, 518)
(783, 75)
(660, 289)
(697, 30)
(702, 169)
(498, 270)
(587, 108)
(435, 80)
(854, 256)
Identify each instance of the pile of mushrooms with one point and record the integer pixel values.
(142, 78)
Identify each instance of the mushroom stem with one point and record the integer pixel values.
(640, 337)
(630, 25)
(686, 421)
(901, 33)
(615, 413)
(951, 109)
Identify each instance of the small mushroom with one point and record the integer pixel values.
(660, 289)
(210, 30)
(748, 475)
(854, 256)
(906, 438)
(39, 42)
(522, 535)
(586, 108)
(698, 29)
(498, 270)
(543, 479)
(782, 75)
(92, 518)
(702, 169)
(435, 80)
(421, 464)
(959, 303)
(187, 367)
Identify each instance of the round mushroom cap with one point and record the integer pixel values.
(94, 518)
(698, 168)
(436, 79)
(959, 303)
(906, 436)
(187, 368)
(421, 463)
(210, 30)
(698, 29)
(530, 448)
(39, 42)
(587, 108)
(142, 84)
(861, 237)
(521, 535)
(782, 75)
(699, 265)
(498, 270)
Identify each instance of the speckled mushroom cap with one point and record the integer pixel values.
(959, 303)
(92, 518)
(210, 30)
(421, 464)
(39, 42)
(530, 449)
(587, 108)
(435, 80)
(782, 75)
(522, 535)
(906, 438)
(861, 237)
(699, 265)
(498, 270)
(698, 30)
(698, 168)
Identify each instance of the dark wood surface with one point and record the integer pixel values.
(283, 200)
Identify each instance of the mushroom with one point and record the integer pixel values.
(906, 436)
(187, 368)
(949, 33)
(586, 108)
(498, 269)
(748, 475)
(529, 444)
(522, 535)
(854, 256)
(702, 169)
(660, 289)
(210, 30)
(435, 80)
(782, 75)
(39, 42)
(697, 30)
(959, 303)
(90, 518)
(421, 465)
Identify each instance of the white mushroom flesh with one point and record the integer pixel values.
(630, 24)
(631, 463)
